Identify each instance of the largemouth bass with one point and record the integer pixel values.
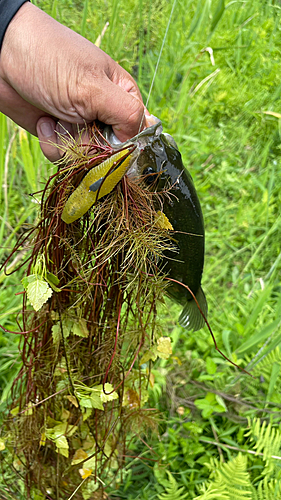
(158, 159)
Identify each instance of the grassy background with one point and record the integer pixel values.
(225, 114)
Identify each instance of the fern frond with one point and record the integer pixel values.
(267, 440)
(213, 492)
(267, 490)
(173, 492)
(231, 480)
(236, 478)
(264, 366)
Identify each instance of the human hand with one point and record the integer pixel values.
(50, 73)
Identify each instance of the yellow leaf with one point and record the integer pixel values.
(65, 414)
(2, 445)
(162, 222)
(30, 409)
(131, 398)
(151, 379)
(272, 113)
(15, 411)
(84, 473)
(79, 456)
(88, 443)
(164, 348)
(150, 354)
(177, 360)
(73, 400)
(43, 439)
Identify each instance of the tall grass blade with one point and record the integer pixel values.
(3, 135)
(199, 17)
(263, 297)
(217, 15)
(27, 159)
(141, 41)
(273, 379)
(258, 337)
(84, 19)
(54, 9)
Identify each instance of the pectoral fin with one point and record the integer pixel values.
(191, 318)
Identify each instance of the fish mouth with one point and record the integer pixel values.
(114, 173)
(140, 141)
(146, 134)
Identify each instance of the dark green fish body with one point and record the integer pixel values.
(157, 153)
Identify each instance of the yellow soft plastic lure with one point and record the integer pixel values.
(94, 186)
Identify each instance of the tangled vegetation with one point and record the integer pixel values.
(222, 105)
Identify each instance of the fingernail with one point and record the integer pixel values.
(46, 129)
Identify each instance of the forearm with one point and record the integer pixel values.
(8, 8)
(48, 70)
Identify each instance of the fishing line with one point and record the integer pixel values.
(158, 60)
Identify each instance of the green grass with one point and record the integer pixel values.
(225, 119)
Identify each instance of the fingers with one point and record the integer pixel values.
(116, 107)
(61, 73)
(48, 138)
(20, 111)
(54, 137)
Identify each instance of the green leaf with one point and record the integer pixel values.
(56, 333)
(53, 279)
(218, 14)
(108, 389)
(53, 282)
(221, 402)
(38, 290)
(80, 328)
(211, 366)
(258, 337)
(61, 442)
(93, 401)
(273, 379)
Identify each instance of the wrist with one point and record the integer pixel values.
(10, 39)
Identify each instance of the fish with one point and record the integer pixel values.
(157, 158)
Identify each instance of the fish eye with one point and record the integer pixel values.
(149, 173)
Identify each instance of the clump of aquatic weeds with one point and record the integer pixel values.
(88, 331)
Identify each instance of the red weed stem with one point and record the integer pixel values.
(24, 333)
(114, 350)
(130, 369)
(209, 328)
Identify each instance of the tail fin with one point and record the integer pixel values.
(191, 318)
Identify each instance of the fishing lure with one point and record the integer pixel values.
(98, 182)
